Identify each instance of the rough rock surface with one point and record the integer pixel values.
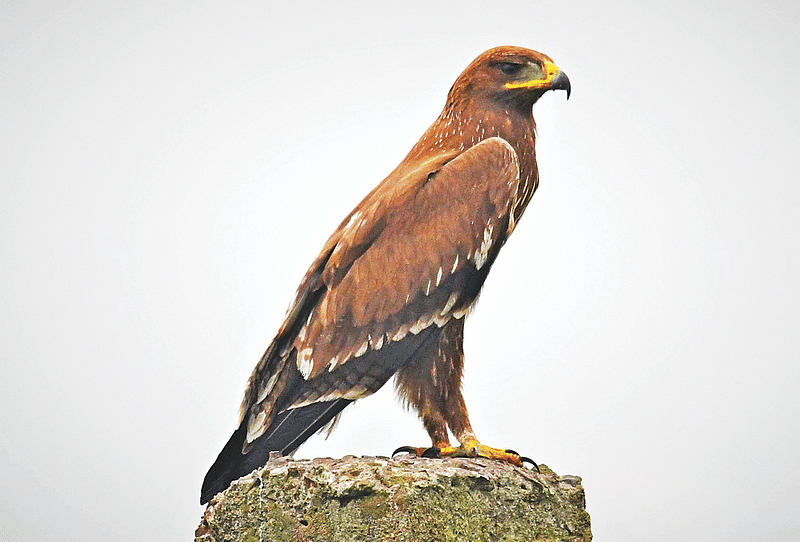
(405, 498)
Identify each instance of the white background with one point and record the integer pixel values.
(168, 170)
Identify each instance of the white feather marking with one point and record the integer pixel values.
(379, 344)
(353, 219)
(304, 362)
(346, 357)
(439, 276)
(333, 363)
(362, 349)
(330, 396)
(418, 326)
(424, 322)
(356, 392)
(455, 264)
(265, 389)
(483, 252)
(255, 426)
(402, 332)
(449, 305)
(303, 403)
(428, 288)
(460, 313)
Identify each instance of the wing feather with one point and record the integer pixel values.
(429, 244)
(413, 254)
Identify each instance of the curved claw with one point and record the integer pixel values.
(531, 461)
(407, 449)
(523, 459)
(433, 451)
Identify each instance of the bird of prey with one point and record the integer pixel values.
(389, 291)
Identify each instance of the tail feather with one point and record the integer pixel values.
(286, 433)
(292, 426)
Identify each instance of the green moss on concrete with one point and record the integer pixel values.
(408, 499)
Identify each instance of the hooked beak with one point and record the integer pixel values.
(561, 82)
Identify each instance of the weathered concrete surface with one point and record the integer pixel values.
(403, 499)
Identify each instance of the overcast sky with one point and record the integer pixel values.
(168, 171)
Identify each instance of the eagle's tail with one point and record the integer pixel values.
(287, 432)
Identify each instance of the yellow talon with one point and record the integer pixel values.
(472, 448)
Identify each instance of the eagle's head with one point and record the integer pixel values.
(509, 75)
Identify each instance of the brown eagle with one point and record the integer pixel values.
(388, 294)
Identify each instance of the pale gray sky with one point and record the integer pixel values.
(169, 170)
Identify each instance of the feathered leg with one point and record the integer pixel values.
(432, 385)
(429, 383)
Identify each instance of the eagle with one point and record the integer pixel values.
(388, 294)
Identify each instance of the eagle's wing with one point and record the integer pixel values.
(412, 255)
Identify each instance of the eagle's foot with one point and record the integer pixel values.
(471, 448)
(433, 451)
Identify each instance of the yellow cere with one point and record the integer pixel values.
(550, 69)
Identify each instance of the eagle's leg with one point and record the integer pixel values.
(416, 391)
(458, 421)
(456, 418)
(432, 385)
(425, 383)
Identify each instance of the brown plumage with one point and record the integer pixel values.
(389, 291)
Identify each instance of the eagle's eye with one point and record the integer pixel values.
(510, 68)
